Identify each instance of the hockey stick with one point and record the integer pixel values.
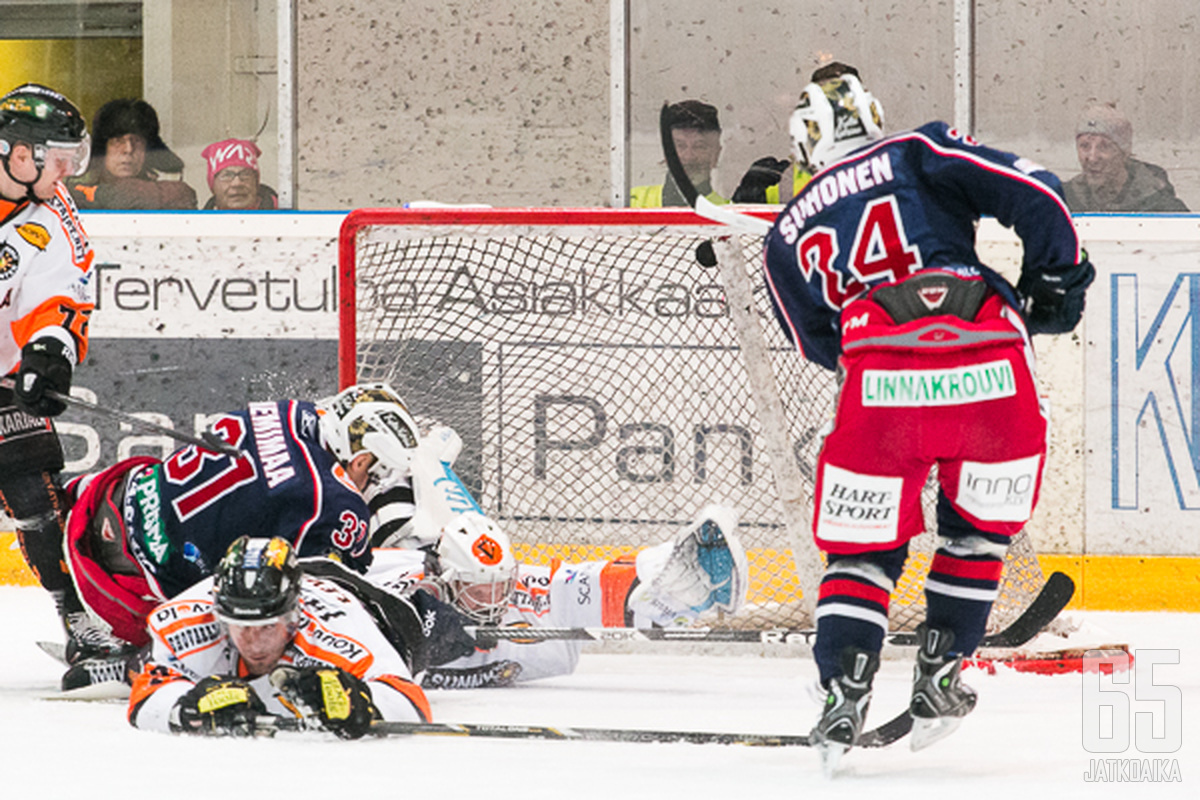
(1054, 596)
(887, 733)
(739, 294)
(208, 440)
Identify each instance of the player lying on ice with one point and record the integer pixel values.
(464, 559)
(702, 568)
(873, 271)
(144, 530)
(262, 637)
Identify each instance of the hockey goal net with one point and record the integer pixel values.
(591, 366)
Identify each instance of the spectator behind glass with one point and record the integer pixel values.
(778, 180)
(234, 179)
(1112, 180)
(128, 160)
(697, 135)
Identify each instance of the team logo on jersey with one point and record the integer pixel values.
(933, 296)
(487, 550)
(9, 260)
(35, 234)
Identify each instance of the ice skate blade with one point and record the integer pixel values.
(107, 692)
(928, 731)
(831, 756)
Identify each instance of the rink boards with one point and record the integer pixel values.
(201, 313)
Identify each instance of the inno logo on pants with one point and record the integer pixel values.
(999, 492)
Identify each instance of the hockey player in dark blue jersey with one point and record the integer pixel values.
(144, 530)
(873, 271)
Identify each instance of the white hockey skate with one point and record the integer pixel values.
(700, 568)
(847, 698)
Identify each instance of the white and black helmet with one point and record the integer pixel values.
(833, 118)
(370, 418)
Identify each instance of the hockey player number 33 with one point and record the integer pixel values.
(881, 250)
(186, 463)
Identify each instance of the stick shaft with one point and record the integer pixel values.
(209, 442)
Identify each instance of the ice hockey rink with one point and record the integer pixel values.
(1024, 740)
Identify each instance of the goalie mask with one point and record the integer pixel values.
(478, 568)
(48, 123)
(370, 418)
(832, 119)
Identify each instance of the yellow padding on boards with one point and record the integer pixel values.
(1104, 583)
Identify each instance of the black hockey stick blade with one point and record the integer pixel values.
(1052, 599)
(1049, 603)
(886, 734)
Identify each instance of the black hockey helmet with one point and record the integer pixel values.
(257, 582)
(45, 120)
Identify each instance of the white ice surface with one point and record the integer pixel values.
(1024, 741)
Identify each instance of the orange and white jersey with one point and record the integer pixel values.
(587, 594)
(46, 277)
(188, 643)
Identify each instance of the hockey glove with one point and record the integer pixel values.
(1054, 296)
(217, 706)
(763, 174)
(44, 365)
(333, 698)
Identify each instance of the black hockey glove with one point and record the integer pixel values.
(763, 174)
(1054, 296)
(333, 698)
(44, 365)
(443, 626)
(217, 706)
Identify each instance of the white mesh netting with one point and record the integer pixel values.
(594, 375)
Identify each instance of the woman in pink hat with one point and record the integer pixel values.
(233, 178)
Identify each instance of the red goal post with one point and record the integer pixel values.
(603, 383)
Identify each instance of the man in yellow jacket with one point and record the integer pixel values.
(697, 135)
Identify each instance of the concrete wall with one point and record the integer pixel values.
(503, 103)
(508, 102)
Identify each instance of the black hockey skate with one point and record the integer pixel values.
(846, 700)
(939, 698)
(93, 654)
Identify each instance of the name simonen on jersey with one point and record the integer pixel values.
(182, 514)
(862, 221)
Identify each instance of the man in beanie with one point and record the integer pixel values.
(697, 136)
(1112, 180)
(234, 179)
(129, 159)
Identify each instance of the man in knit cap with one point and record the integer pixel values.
(1112, 180)
(233, 177)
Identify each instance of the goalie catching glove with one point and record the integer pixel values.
(1054, 296)
(217, 706)
(327, 698)
(44, 365)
